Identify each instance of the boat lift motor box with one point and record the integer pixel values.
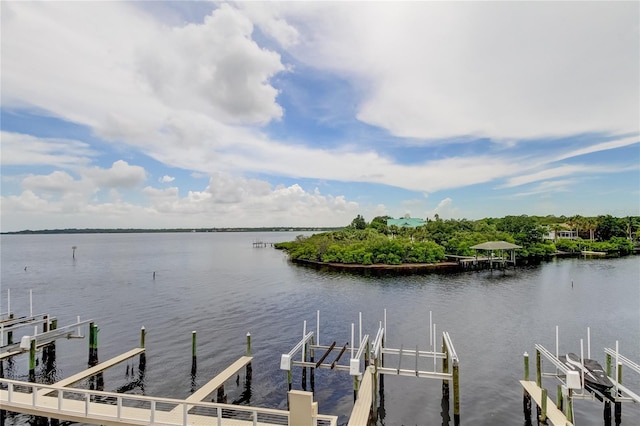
(25, 343)
(573, 380)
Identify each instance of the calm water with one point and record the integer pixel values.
(222, 287)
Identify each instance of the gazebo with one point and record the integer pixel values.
(493, 246)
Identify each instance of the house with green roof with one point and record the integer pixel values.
(406, 222)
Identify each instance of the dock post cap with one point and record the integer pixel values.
(142, 328)
(248, 334)
(193, 332)
(525, 353)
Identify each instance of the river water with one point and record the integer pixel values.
(219, 285)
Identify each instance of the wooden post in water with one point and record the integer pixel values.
(10, 333)
(32, 360)
(568, 412)
(356, 386)
(526, 398)
(143, 357)
(618, 405)
(194, 358)
(249, 368)
(543, 413)
(93, 344)
(559, 398)
(456, 393)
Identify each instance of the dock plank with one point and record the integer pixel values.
(362, 407)
(219, 380)
(554, 415)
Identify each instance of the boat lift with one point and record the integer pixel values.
(366, 358)
(574, 386)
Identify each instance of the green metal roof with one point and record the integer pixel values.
(406, 222)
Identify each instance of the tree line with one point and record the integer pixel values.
(374, 242)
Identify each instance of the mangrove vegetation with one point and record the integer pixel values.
(540, 237)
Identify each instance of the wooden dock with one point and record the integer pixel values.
(553, 414)
(362, 408)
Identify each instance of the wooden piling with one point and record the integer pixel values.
(32, 360)
(538, 369)
(456, 393)
(543, 408)
(194, 358)
(618, 405)
(249, 368)
(568, 412)
(526, 398)
(93, 344)
(143, 357)
(221, 398)
(10, 333)
(356, 385)
(559, 398)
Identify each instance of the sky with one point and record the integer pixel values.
(214, 114)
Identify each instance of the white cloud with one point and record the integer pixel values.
(19, 150)
(499, 70)
(548, 187)
(195, 96)
(166, 179)
(227, 201)
(120, 175)
(598, 147)
(445, 209)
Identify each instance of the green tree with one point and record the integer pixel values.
(609, 227)
(358, 222)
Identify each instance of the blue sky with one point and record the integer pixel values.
(216, 114)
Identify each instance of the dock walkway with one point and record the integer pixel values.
(362, 407)
(111, 409)
(553, 414)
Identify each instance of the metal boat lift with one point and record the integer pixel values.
(367, 364)
(573, 386)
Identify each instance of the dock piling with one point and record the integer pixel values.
(618, 405)
(249, 368)
(32, 360)
(194, 358)
(93, 344)
(456, 393)
(543, 408)
(143, 357)
(526, 398)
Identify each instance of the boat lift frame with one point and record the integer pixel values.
(571, 381)
(374, 355)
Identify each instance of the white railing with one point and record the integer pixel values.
(141, 409)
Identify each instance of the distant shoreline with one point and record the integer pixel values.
(171, 230)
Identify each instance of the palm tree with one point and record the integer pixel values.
(591, 224)
(556, 227)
